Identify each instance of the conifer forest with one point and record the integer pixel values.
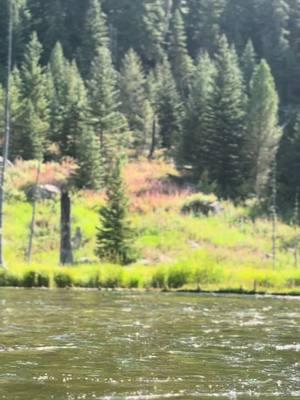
(215, 84)
(149, 199)
(175, 110)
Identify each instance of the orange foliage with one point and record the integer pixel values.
(23, 173)
(148, 184)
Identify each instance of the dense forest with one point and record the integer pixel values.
(212, 84)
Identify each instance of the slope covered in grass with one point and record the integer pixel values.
(221, 252)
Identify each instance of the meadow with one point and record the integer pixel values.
(230, 251)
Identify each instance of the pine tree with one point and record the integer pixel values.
(194, 149)
(114, 236)
(289, 166)
(88, 175)
(274, 36)
(203, 24)
(57, 93)
(228, 127)
(133, 98)
(104, 101)
(82, 142)
(94, 35)
(17, 106)
(263, 132)
(240, 23)
(35, 113)
(154, 31)
(21, 32)
(167, 106)
(248, 62)
(125, 19)
(182, 64)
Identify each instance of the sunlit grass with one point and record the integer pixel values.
(227, 251)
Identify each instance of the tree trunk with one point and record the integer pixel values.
(7, 131)
(33, 217)
(66, 254)
(153, 141)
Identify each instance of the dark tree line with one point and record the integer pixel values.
(215, 83)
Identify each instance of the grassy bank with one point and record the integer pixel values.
(224, 252)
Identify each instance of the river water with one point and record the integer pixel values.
(67, 345)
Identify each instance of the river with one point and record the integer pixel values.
(65, 345)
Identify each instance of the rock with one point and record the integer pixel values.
(42, 192)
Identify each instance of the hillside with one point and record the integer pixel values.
(228, 251)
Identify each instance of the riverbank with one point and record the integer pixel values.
(230, 251)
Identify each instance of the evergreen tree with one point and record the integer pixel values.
(248, 62)
(57, 93)
(104, 98)
(289, 166)
(240, 22)
(167, 106)
(21, 32)
(81, 142)
(35, 113)
(48, 20)
(264, 132)
(154, 31)
(114, 235)
(203, 24)
(88, 175)
(17, 106)
(227, 164)
(195, 148)
(133, 98)
(274, 36)
(94, 35)
(182, 64)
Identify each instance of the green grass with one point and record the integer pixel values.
(225, 252)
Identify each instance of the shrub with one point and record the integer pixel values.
(12, 280)
(62, 280)
(112, 278)
(158, 280)
(29, 279)
(207, 275)
(201, 204)
(133, 282)
(42, 280)
(177, 277)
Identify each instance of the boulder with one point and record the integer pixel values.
(42, 192)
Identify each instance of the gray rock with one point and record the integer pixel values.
(42, 192)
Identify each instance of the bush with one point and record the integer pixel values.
(177, 277)
(112, 278)
(11, 280)
(201, 204)
(62, 280)
(29, 279)
(42, 280)
(158, 280)
(207, 275)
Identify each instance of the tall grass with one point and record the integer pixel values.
(176, 251)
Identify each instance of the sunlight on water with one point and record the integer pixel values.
(66, 345)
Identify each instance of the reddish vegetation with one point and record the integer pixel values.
(24, 173)
(148, 184)
(150, 189)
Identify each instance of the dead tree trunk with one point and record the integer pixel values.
(153, 140)
(66, 253)
(33, 218)
(7, 130)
